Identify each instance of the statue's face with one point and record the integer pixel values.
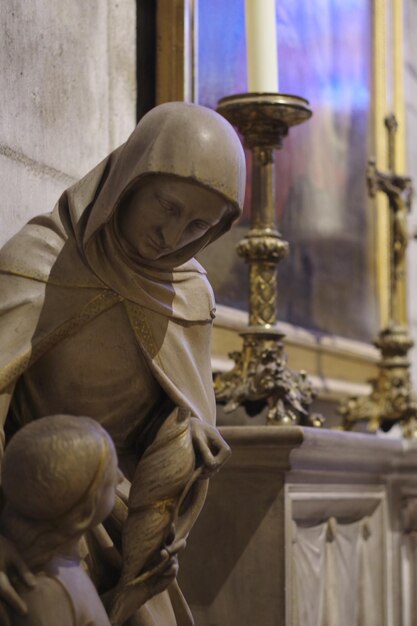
(166, 213)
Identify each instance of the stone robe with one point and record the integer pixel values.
(87, 329)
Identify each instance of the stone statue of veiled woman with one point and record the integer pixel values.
(105, 312)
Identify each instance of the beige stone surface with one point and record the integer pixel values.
(28, 188)
(305, 527)
(68, 79)
(234, 570)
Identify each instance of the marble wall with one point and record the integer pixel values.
(68, 80)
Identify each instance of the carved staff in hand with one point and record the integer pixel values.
(105, 312)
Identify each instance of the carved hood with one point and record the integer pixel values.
(67, 254)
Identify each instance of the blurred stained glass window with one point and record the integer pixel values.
(325, 56)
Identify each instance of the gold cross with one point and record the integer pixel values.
(399, 190)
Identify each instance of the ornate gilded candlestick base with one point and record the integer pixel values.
(391, 399)
(260, 376)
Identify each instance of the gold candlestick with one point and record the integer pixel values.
(260, 376)
(391, 399)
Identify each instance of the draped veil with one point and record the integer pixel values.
(71, 258)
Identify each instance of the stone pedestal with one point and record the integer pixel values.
(306, 527)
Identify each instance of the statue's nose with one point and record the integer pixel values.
(172, 233)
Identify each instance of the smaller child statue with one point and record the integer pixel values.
(59, 479)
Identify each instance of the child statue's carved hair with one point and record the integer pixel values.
(55, 473)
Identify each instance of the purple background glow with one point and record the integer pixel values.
(325, 56)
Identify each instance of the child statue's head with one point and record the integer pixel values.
(59, 475)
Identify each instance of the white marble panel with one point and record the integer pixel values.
(337, 548)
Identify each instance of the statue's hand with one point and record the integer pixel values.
(13, 570)
(210, 448)
(5, 619)
(122, 602)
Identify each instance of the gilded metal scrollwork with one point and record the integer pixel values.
(391, 399)
(260, 377)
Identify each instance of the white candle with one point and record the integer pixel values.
(261, 45)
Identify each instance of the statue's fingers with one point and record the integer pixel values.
(22, 570)
(4, 616)
(208, 458)
(209, 472)
(172, 570)
(14, 561)
(208, 444)
(219, 446)
(214, 451)
(166, 578)
(169, 572)
(155, 572)
(223, 455)
(9, 595)
(212, 463)
(173, 548)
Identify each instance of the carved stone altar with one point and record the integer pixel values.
(311, 528)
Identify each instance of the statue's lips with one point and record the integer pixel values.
(156, 246)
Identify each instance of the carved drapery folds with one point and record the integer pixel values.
(338, 572)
